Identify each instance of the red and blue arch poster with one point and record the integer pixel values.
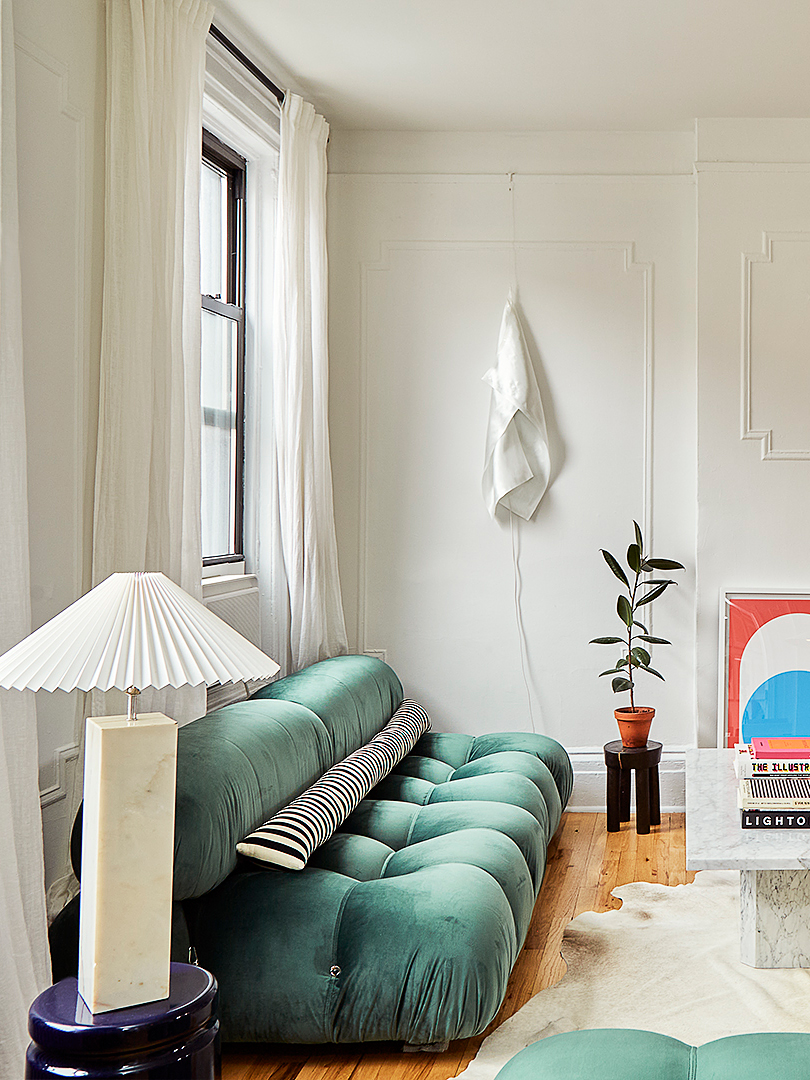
(767, 669)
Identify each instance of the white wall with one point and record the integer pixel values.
(60, 111)
(754, 371)
(420, 265)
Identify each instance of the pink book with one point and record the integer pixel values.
(787, 747)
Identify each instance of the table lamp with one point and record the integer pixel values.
(132, 631)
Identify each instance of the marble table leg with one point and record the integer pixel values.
(775, 918)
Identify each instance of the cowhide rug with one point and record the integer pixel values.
(668, 961)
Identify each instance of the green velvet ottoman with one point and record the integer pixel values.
(619, 1054)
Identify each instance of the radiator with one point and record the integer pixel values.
(235, 599)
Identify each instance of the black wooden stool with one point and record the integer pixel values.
(621, 761)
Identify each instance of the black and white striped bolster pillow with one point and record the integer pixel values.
(289, 838)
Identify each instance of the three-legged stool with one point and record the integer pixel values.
(621, 761)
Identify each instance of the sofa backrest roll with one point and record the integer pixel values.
(240, 765)
(353, 695)
(235, 766)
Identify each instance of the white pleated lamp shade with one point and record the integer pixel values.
(136, 629)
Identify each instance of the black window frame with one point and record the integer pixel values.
(232, 306)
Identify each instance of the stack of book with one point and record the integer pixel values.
(774, 783)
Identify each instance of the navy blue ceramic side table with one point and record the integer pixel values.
(173, 1039)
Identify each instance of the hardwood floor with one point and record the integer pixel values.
(585, 863)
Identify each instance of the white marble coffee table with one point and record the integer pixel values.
(773, 864)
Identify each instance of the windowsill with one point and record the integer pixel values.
(224, 569)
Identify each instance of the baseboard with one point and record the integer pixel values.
(588, 796)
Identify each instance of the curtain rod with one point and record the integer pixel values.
(237, 53)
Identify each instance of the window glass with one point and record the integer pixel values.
(222, 270)
(213, 216)
(219, 441)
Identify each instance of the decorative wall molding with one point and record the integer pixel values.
(64, 760)
(378, 654)
(387, 249)
(747, 431)
(752, 166)
(551, 178)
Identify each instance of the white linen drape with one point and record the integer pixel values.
(308, 623)
(24, 960)
(147, 487)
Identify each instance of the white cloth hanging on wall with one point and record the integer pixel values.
(25, 968)
(308, 623)
(516, 461)
(147, 488)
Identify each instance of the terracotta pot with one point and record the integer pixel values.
(634, 725)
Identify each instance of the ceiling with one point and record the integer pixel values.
(523, 65)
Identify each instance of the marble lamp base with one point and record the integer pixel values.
(775, 918)
(127, 860)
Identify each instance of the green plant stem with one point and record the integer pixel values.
(630, 631)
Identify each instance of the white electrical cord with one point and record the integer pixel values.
(524, 648)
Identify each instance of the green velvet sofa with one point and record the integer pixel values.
(406, 923)
(617, 1054)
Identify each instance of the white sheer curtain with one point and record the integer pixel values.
(24, 960)
(309, 622)
(147, 490)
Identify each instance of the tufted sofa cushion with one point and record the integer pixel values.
(617, 1054)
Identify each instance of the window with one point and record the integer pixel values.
(222, 273)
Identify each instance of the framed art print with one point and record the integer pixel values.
(765, 676)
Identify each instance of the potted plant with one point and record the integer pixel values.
(634, 721)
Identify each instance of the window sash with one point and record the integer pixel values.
(231, 307)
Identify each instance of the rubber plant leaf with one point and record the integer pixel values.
(615, 567)
(650, 596)
(625, 612)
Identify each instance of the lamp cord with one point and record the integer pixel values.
(524, 650)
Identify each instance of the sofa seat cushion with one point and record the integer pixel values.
(440, 757)
(532, 768)
(318, 957)
(424, 768)
(505, 787)
(618, 1054)
(356, 856)
(401, 824)
(486, 848)
(528, 742)
(447, 746)
(518, 824)
(423, 957)
(269, 937)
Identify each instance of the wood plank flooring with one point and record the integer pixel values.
(585, 863)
